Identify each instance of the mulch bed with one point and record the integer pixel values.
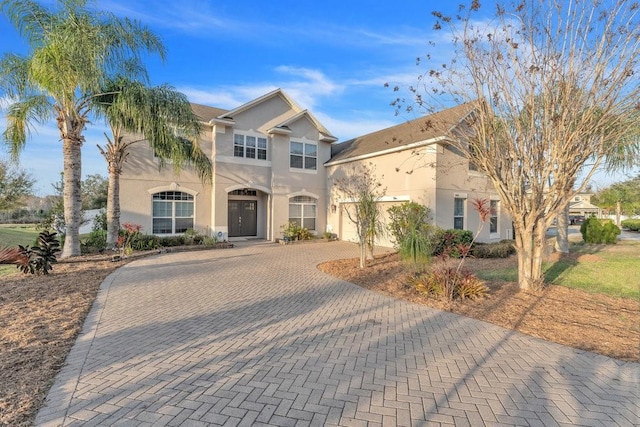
(579, 319)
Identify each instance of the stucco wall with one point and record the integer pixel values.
(432, 176)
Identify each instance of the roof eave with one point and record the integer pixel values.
(426, 142)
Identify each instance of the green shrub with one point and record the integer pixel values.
(291, 230)
(169, 241)
(100, 221)
(305, 234)
(415, 248)
(193, 237)
(593, 231)
(448, 281)
(144, 242)
(451, 242)
(40, 257)
(502, 249)
(631, 224)
(209, 241)
(406, 219)
(610, 233)
(95, 242)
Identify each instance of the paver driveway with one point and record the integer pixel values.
(257, 335)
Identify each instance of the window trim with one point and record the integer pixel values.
(304, 156)
(190, 198)
(305, 200)
(256, 147)
(462, 201)
(494, 206)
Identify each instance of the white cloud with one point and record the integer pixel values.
(306, 87)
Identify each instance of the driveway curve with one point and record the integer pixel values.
(256, 335)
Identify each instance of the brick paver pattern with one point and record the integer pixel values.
(257, 335)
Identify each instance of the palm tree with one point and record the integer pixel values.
(160, 116)
(73, 51)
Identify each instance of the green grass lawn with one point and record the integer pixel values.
(14, 235)
(17, 234)
(608, 269)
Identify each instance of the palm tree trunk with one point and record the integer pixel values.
(113, 207)
(72, 197)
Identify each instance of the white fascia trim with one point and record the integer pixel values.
(327, 138)
(381, 199)
(228, 122)
(280, 131)
(388, 151)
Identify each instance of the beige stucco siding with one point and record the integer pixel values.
(454, 179)
(407, 175)
(412, 175)
(141, 177)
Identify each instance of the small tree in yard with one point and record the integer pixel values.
(409, 224)
(360, 191)
(553, 88)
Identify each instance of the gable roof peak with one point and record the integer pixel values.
(248, 105)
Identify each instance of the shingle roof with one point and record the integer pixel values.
(206, 113)
(420, 129)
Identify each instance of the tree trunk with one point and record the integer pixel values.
(113, 207)
(72, 198)
(363, 253)
(618, 212)
(530, 246)
(562, 227)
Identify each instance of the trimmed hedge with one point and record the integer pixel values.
(631, 224)
(449, 242)
(502, 249)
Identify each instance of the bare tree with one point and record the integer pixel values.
(555, 88)
(359, 192)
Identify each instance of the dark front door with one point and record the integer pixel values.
(243, 218)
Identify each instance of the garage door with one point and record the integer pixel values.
(348, 232)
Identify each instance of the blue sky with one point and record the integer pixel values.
(332, 57)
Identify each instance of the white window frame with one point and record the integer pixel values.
(246, 146)
(494, 218)
(456, 214)
(305, 203)
(304, 156)
(187, 198)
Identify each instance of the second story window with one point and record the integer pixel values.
(303, 155)
(249, 147)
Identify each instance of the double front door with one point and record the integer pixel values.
(243, 218)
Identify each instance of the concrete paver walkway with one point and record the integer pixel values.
(256, 335)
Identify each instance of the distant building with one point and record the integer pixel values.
(581, 205)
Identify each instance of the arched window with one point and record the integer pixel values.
(302, 210)
(172, 212)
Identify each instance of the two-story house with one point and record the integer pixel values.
(414, 162)
(274, 162)
(267, 157)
